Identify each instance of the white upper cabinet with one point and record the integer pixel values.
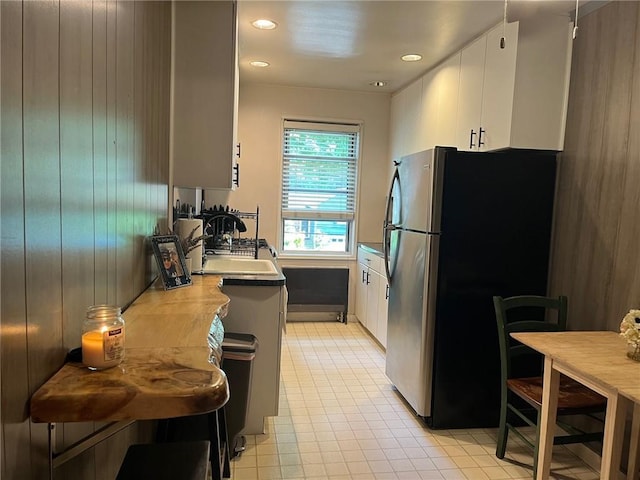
(486, 97)
(515, 96)
(498, 88)
(447, 79)
(472, 64)
(205, 94)
(487, 76)
(406, 114)
(429, 114)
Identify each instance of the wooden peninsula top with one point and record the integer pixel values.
(166, 371)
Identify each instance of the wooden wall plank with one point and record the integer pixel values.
(595, 256)
(13, 338)
(140, 98)
(626, 277)
(125, 151)
(607, 196)
(570, 199)
(42, 204)
(99, 122)
(77, 195)
(76, 165)
(112, 149)
(162, 132)
(586, 241)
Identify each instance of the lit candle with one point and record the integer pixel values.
(103, 337)
(93, 354)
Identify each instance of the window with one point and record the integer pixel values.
(319, 171)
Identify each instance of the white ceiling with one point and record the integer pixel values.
(349, 44)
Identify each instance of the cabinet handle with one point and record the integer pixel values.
(363, 272)
(238, 150)
(367, 278)
(386, 295)
(236, 180)
(480, 142)
(471, 144)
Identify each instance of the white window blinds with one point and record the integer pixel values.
(319, 170)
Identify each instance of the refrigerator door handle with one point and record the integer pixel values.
(388, 226)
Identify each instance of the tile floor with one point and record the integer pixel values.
(341, 419)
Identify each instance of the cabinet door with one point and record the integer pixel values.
(372, 302)
(361, 294)
(405, 120)
(470, 95)
(204, 84)
(383, 312)
(498, 88)
(429, 112)
(448, 83)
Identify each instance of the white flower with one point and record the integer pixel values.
(629, 328)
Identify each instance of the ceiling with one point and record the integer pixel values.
(349, 44)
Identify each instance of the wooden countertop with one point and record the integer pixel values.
(166, 372)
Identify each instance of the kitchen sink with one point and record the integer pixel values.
(239, 266)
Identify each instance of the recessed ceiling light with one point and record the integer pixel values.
(412, 57)
(259, 63)
(264, 24)
(378, 84)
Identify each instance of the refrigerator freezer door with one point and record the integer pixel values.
(416, 173)
(410, 329)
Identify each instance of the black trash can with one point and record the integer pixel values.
(238, 352)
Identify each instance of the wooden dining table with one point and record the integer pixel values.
(598, 360)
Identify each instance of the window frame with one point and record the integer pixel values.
(346, 126)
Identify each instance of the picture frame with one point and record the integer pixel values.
(171, 261)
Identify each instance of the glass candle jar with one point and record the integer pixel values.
(103, 337)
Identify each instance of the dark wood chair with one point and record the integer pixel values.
(521, 374)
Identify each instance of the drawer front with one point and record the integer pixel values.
(371, 259)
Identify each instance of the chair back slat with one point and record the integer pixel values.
(526, 313)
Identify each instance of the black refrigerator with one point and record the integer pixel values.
(461, 227)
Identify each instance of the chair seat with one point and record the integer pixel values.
(573, 397)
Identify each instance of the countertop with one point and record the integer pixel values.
(373, 248)
(166, 372)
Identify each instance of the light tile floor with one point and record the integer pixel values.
(340, 419)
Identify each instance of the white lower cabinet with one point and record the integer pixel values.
(371, 295)
(261, 311)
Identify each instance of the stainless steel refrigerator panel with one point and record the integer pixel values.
(409, 332)
(416, 174)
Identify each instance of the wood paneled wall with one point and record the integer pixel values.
(84, 175)
(596, 249)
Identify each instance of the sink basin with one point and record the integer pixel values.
(239, 266)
